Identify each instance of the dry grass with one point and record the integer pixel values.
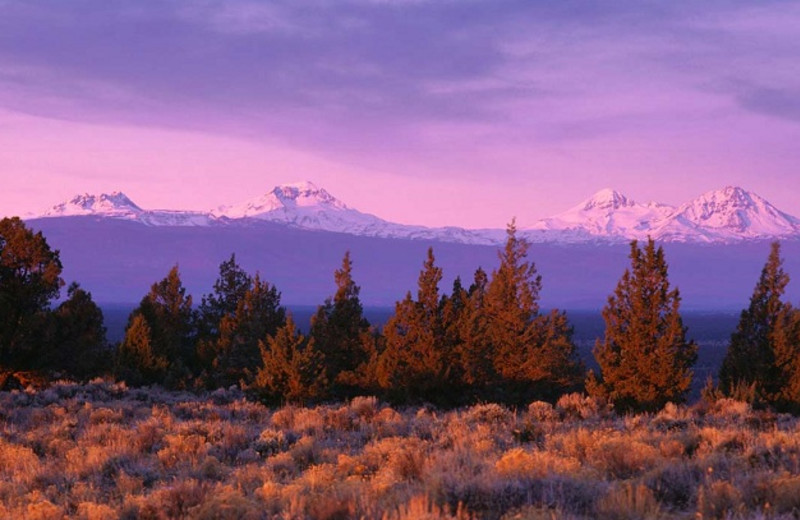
(103, 451)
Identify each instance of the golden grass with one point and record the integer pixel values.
(102, 451)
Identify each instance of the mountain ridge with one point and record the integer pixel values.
(726, 215)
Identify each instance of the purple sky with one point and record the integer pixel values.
(457, 112)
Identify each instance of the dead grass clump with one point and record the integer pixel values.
(283, 419)
(228, 440)
(182, 450)
(628, 501)
(175, 501)
(18, 463)
(94, 511)
(521, 464)
(226, 502)
(622, 457)
(580, 406)
(388, 423)
(43, 509)
(272, 441)
(783, 494)
(729, 410)
(489, 413)
(675, 484)
(541, 411)
(719, 499)
(364, 407)
(421, 507)
(309, 421)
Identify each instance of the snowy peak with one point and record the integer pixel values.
(734, 211)
(722, 216)
(607, 214)
(606, 199)
(115, 204)
(286, 197)
(306, 194)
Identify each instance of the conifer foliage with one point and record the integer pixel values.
(762, 360)
(291, 368)
(416, 362)
(236, 352)
(533, 354)
(30, 277)
(160, 334)
(232, 320)
(342, 334)
(644, 357)
(76, 345)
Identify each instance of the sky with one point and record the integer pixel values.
(433, 112)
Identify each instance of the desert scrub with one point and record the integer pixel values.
(101, 450)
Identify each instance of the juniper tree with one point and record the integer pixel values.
(30, 277)
(644, 357)
(473, 350)
(167, 312)
(76, 342)
(229, 290)
(291, 368)
(341, 333)
(415, 364)
(763, 351)
(236, 353)
(137, 362)
(533, 355)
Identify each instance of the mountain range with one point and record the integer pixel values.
(728, 215)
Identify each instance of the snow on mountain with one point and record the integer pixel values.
(608, 214)
(304, 205)
(733, 213)
(117, 205)
(722, 216)
(286, 199)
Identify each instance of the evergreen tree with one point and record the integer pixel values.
(229, 289)
(167, 312)
(764, 348)
(473, 349)
(512, 303)
(415, 364)
(30, 277)
(77, 340)
(236, 353)
(533, 355)
(292, 369)
(644, 357)
(137, 362)
(341, 333)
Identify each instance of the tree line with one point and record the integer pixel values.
(485, 341)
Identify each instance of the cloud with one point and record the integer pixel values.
(780, 103)
(372, 78)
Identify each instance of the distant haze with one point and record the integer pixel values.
(420, 112)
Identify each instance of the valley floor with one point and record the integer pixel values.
(104, 451)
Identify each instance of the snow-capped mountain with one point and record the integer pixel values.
(117, 205)
(608, 213)
(284, 200)
(721, 216)
(727, 215)
(306, 206)
(733, 213)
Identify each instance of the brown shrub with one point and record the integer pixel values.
(718, 500)
(628, 501)
(622, 458)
